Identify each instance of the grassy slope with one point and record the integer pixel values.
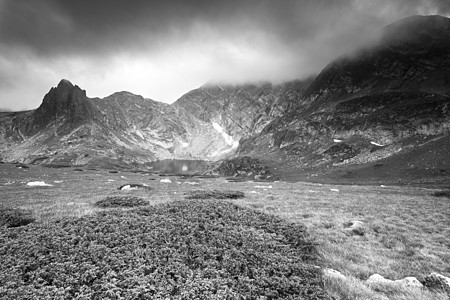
(407, 228)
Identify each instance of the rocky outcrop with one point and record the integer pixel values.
(244, 167)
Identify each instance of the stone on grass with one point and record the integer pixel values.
(38, 183)
(354, 228)
(133, 186)
(407, 282)
(333, 273)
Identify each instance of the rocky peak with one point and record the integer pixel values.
(66, 103)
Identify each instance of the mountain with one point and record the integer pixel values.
(385, 101)
(386, 106)
(70, 128)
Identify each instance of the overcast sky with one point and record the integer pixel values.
(162, 49)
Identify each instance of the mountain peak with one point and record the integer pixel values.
(417, 28)
(65, 83)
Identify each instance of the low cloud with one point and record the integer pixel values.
(162, 49)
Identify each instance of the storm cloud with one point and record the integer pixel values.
(162, 49)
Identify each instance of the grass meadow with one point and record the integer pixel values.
(407, 229)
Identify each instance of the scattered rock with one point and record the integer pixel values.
(38, 183)
(354, 228)
(245, 166)
(134, 186)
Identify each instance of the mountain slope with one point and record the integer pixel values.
(368, 105)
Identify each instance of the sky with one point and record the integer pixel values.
(163, 49)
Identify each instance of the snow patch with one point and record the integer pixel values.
(228, 139)
(165, 180)
(337, 141)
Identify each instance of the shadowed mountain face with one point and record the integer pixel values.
(380, 102)
(370, 105)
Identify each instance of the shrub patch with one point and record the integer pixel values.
(197, 249)
(121, 201)
(445, 193)
(13, 217)
(214, 194)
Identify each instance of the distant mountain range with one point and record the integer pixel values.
(389, 101)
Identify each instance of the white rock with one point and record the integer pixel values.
(337, 141)
(409, 282)
(333, 273)
(165, 180)
(191, 183)
(355, 228)
(376, 144)
(38, 183)
(334, 190)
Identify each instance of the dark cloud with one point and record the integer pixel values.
(188, 42)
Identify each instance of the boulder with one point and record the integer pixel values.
(408, 282)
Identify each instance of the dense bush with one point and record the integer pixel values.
(197, 249)
(121, 201)
(214, 194)
(10, 217)
(445, 193)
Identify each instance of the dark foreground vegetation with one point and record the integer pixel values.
(214, 194)
(121, 201)
(14, 217)
(196, 249)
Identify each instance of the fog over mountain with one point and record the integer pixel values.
(162, 49)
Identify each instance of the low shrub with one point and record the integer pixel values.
(214, 194)
(121, 201)
(445, 193)
(13, 217)
(197, 249)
